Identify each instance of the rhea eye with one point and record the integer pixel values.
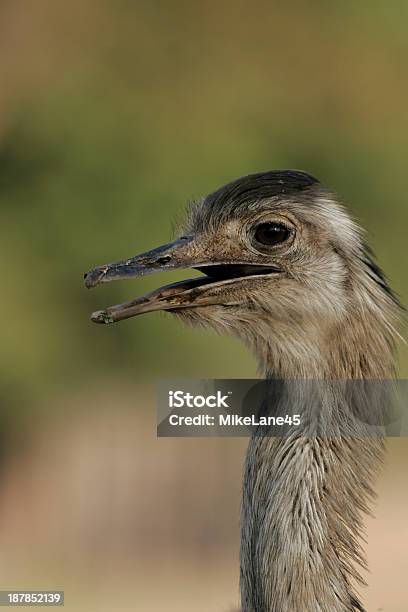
(270, 234)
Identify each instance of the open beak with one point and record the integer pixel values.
(197, 292)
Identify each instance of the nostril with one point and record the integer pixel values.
(163, 260)
(85, 275)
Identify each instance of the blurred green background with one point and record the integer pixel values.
(113, 115)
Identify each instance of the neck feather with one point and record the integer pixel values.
(304, 497)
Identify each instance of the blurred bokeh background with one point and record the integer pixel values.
(113, 115)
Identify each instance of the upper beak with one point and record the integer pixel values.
(182, 253)
(166, 257)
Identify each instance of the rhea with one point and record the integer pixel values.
(286, 270)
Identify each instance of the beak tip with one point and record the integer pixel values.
(102, 317)
(88, 280)
(95, 276)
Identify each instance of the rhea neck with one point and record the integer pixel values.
(304, 497)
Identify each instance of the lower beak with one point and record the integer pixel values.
(192, 293)
(185, 294)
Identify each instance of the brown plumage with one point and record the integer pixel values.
(288, 272)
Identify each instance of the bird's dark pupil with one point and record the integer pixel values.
(271, 233)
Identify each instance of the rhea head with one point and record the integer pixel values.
(283, 267)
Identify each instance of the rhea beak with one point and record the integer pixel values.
(197, 292)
